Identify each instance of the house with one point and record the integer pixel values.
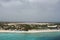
(52, 26)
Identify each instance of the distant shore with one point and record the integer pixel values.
(30, 31)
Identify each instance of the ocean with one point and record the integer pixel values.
(30, 36)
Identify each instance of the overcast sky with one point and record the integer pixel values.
(30, 10)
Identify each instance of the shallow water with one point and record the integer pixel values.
(30, 36)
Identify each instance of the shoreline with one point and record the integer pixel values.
(30, 31)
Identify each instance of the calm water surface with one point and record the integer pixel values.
(30, 36)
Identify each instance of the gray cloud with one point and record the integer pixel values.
(9, 3)
(30, 10)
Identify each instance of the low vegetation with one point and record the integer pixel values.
(24, 27)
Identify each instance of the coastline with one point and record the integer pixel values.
(30, 31)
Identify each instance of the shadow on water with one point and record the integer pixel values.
(44, 38)
(57, 38)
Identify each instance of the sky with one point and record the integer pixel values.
(30, 10)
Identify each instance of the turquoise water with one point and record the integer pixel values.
(30, 36)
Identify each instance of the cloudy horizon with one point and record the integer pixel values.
(30, 10)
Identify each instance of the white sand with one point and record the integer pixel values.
(30, 31)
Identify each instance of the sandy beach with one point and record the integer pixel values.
(30, 31)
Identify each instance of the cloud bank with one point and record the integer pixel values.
(30, 10)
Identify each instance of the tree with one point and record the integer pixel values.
(27, 27)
